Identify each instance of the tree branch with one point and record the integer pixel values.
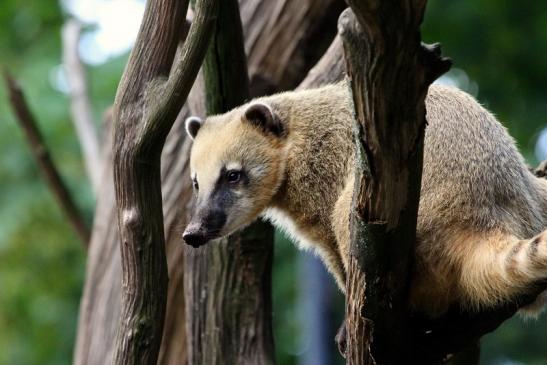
(438, 340)
(146, 106)
(164, 98)
(80, 107)
(329, 69)
(390, 72)
(43, 159)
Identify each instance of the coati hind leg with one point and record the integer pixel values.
(498, 266)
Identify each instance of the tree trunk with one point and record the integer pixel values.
(228, 282)
(100, 304)
(150, 95)
(380, 57)
(383, 51)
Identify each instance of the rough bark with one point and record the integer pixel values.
(99, 306)
(44, 161)
(383, 51)
(149, 98)
(101, 298)
(229, 299)
(286, 40)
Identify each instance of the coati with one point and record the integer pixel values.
(290, 158)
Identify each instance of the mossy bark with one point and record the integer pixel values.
(389, 72)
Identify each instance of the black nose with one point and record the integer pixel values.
(194, 239)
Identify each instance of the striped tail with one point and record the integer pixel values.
(501, 266)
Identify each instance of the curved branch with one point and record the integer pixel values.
(167, 99)
(80, 107)
(146, 106)
(43, 159)
(293, 37)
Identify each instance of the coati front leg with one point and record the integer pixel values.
(340, 220)
(341, 227)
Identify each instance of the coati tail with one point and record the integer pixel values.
(499, 266)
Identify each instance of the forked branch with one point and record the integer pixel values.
(150, 95)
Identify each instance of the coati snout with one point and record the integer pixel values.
(194, 236)
(209, 218)
(202, 230)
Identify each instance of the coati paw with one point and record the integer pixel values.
(537, 254)
(340, 339)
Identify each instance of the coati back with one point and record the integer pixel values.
(290, 157)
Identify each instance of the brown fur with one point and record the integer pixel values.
(479, 204)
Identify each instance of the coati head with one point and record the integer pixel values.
(236, 168)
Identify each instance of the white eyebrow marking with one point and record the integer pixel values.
(233, 166)
(258, 171)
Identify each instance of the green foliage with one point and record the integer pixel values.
(500, 44)
(42, 260)
(41, 279)
(517, 340)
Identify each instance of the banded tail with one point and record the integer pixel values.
(501, 266)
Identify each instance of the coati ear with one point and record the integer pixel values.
(192, 125)
(262, 116)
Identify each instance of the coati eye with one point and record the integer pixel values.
(195, 184)
(233, 176)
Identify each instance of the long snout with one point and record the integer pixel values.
(204, 227)
(195, 235)
(207, 221)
